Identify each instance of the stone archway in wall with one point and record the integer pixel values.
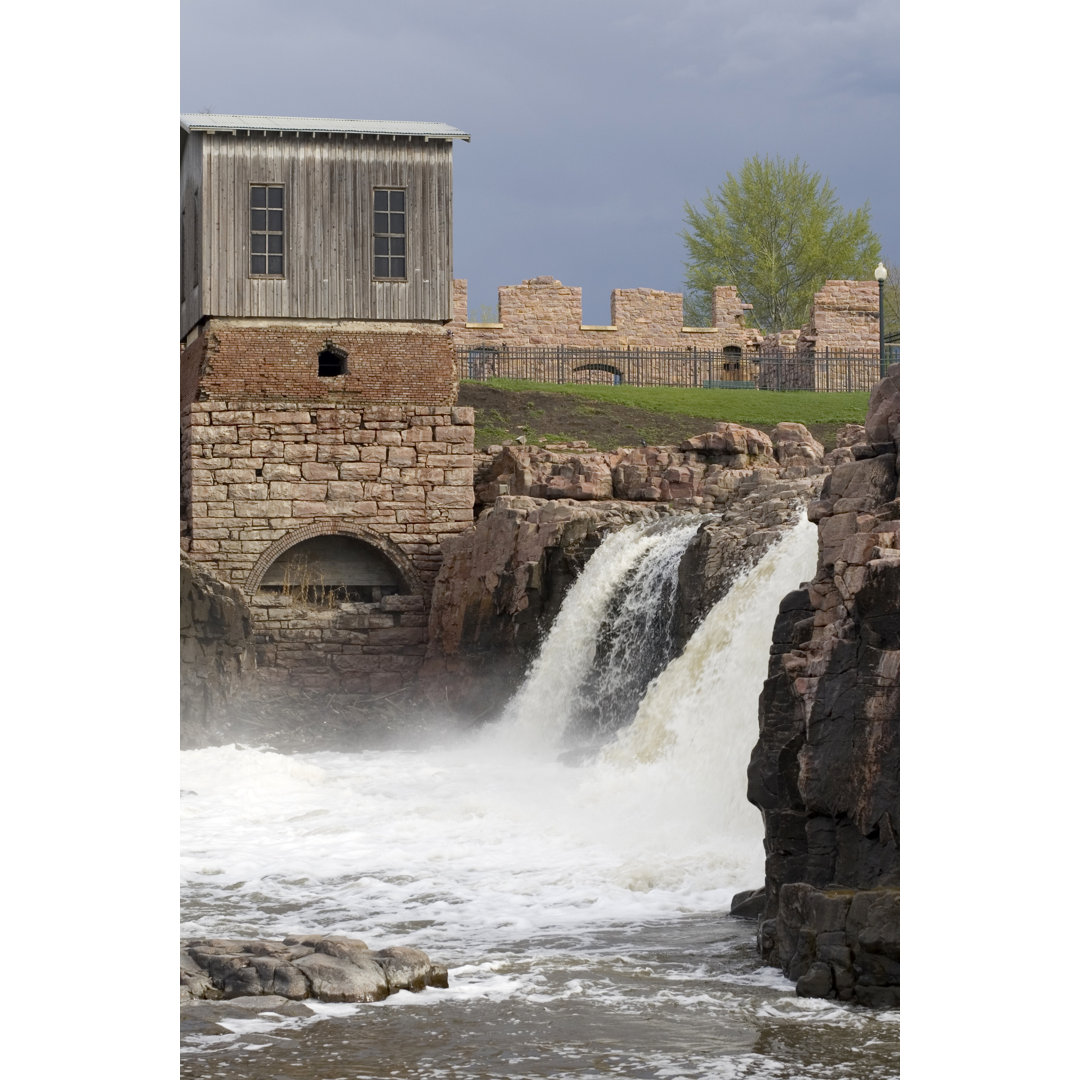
(360, 564)
(598, 373)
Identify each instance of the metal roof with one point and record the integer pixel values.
(239, 122)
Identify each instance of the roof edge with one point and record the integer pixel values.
(236, 122)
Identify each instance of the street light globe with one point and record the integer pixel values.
(881, 273)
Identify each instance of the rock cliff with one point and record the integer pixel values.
(825, 770)
(217, 653)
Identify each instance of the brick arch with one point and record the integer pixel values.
(384, 546)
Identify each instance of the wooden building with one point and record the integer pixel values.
(296, 218)
(323, 458)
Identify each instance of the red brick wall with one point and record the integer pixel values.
(277, 360)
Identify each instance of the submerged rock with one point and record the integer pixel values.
(326, 967)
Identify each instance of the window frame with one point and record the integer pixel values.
(390, 235)
(265, 232)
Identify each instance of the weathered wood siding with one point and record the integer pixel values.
(191, 240)
(328, 226)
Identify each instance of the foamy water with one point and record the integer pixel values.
(573, 903)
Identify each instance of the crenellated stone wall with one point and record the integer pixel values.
(544, 311)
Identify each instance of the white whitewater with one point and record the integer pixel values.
(579, 908)
(491, 834)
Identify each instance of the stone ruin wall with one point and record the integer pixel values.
(844, 315)
(542, 312)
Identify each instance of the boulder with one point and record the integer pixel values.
(793, 445)
(733, 446)
(323, 966)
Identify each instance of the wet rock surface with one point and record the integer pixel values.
(825, 770)
(324, 967)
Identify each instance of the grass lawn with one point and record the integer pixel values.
(611, 416)
(756, 408)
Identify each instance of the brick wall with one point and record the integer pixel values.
(277, 360)
(259, 475)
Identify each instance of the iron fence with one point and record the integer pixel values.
(731, 368)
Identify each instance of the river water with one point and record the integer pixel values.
(578, 899)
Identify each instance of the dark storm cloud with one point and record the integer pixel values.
(592, 122)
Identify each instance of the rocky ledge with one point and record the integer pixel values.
(321, 966)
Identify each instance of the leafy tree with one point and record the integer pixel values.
(891, 300)
(777, 231)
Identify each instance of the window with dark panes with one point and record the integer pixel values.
(389, 233)
(268, 230)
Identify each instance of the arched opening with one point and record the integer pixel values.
(325, 571)
(604, 374)
(732, 358)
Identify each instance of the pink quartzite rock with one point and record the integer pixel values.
(794, 445)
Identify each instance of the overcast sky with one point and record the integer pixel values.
(592, 121)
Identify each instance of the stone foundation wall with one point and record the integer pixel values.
(387, 363)
(258, 477)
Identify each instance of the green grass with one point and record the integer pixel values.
(756, 408)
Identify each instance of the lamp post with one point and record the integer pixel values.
(881, 273)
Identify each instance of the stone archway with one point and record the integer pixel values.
(411, 582)
(585, 373)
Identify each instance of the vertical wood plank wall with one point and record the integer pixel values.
(328, 243)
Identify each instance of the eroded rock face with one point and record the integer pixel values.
(325, 967)
(217, 653)
(825, 770)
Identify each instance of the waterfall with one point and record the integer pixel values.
(638, 563)
(698, 719)
(675, 774)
